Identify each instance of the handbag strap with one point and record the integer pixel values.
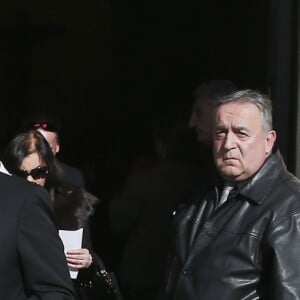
(108, 277)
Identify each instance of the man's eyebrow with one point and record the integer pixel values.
(220, 126)
(238, 127)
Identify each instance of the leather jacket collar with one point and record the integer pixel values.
(263, 179)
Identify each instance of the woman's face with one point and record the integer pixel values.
(34, 169)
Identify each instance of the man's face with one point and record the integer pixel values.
(201, 119)
(241, 145)
(51, 138)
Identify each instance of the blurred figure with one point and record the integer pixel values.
(29, 155)
(141, 213)
(50, 128)
(206, 95)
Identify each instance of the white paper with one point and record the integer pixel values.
(72, 239)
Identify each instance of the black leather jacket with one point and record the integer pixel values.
(248, 248)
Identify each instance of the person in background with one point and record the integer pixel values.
(32, 264)
(50, 128)
(141, 214)
(29, 155)
(244, 245)
(206, 94)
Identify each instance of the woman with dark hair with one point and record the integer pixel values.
(29, 155)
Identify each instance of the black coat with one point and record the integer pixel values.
(72, 174)
(143, 212)
(247, 248)
(32, 264)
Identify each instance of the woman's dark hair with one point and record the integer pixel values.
(72, 205)
(26, 143)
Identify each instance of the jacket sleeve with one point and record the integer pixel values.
(44, 266)
(285, 244)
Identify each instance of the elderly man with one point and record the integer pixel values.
(245, 246)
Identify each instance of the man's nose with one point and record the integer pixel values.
(230, 141)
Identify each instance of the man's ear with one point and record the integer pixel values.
(57, 148)
(270, 141)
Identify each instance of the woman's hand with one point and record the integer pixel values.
(79, 258)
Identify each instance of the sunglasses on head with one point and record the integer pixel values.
(36, 173)
(48, 126)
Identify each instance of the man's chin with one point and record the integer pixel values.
(230, 173)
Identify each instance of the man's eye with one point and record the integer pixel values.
(219, 133)
(242, 134)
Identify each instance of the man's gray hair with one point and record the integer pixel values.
(260, 100)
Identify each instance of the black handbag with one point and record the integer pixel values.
(97, 282)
